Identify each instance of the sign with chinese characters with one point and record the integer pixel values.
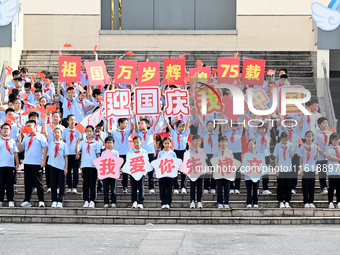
(177, 102)
(225, 167)
(166, 166)
(260, 99)
(174, 71)
(137, 165)
(108, 165)
(96, 71)
(254, 166)
(228, 70)
(69, 69)
(202, 74)
(212, 97)
(148, 73)
(253, 72)
(125, 71)
(117, 103)
(194, 165)
(92, 120)
(291, 108)
(147, 101)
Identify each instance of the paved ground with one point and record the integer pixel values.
(165, 239)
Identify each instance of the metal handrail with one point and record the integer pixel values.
(2, 79)
(328, 99)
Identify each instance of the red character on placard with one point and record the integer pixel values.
(166, 166)
(137, 164)
(107, 166)
(117, 103)
(147, 100)
(225, 166)
(177, 102)
(192, 164)
(255, 166)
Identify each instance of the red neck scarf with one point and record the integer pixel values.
(30, 142)
(7, 144)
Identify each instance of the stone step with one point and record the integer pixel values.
(173, 216)
(175, 204)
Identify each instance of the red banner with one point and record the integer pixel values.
(96, 71)
(253, 72)
(174, 71)
(148, 73)
(228, 70)
(291, 108)
(69, 69)
(125, 71)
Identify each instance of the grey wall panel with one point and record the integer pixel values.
(6, 36)
(137, 15)
(174, 15)
(329, 40)
(105, 17)
(215, 15)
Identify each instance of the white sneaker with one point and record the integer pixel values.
(256, 206)
(74, 191)
(176, 191)
(60, 205)
(293, 191)
(331, 205)
(199, 205)
(167, 206)
(113, 205)
(140, 206)
(307, 205)
(125, 191)
(54, 205)
(192, 205)
(134, 205)
(163, 207)
(213, 191)
(41, 204)
(287, 205)
(338, 206)
(205, 191)
(266, 192)
(26, 204)
(282, 205)
(249, 206)
(91, 205)
(69, 190)
(237, 191)
(86, 204)
(106, 206)
(324, 191)
(49, 190)
(232, 191)
(11, 204)
(152, 191)
(183, 191)
(312, 206)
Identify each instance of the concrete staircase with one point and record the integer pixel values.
(268, 213)
(298, 64)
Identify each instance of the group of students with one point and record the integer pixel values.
(54, 144)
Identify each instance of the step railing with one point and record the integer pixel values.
(329, 108)
(2, 80)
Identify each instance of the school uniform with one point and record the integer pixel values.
(210, 143)
(263, 147)
(308, 124)
(223, 185)
(68, 108)
(8, 148)
(110, 183)
(34, 148)
(251, 186)
(333, 173)
(293, 137)
(56, 159)
(70, 137)
(137, 185)
(235, 145)
(307, 154)
(284, 180)
(122, 146)
(322, 139)
(180, 144)
(97, 139)
(80, 107)
(165, 183)
(89, 151)
(84, 79)
(148, 145)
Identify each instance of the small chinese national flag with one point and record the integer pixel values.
(10, 91)
(130, 53)
(9, 70)
(26, 130)
(271, 72)
(235, 54)
(95, 49)
(51, 108)
(41, 75)
(68, 45)
(199, 63)
(183, 55)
